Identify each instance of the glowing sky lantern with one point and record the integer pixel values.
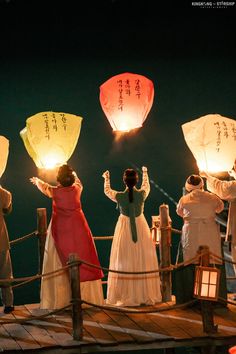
(4, 151)
(212, 141)
(126, 100)
(51, 137)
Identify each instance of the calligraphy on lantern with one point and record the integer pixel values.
(51, 122)
(125, 89)
(224, 131)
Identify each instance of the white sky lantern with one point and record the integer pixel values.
(4, 151)
(212, 141)
(51, 137)
(126, 100)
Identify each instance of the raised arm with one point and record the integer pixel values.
(179, 208)
(110, 193)
(145, 181)
(78, 181)
(224, 189)
(44, 187)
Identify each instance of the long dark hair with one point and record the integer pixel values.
(65, 176)
(130, 178)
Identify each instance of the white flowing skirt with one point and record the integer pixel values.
(55, 289)
(133, 290)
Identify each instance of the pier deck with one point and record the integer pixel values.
(106, 330)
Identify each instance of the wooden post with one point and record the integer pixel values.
(164, 248)
(206, 305)
(42, 233)
(77, 316)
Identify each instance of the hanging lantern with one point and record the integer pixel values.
(126, 100)
(4, 148)
(51, 137)
(212, 141)
(206, 284)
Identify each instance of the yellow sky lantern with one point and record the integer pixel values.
(212, 141)
(51, 137)
(126, 100)
(4, 149)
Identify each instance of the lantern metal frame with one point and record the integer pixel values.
(206, 283)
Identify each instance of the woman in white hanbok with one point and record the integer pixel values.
(132, 248)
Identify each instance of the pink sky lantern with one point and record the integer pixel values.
(126, 100)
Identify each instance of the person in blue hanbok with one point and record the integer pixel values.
(132, 248)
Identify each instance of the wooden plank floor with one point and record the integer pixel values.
(106, 330)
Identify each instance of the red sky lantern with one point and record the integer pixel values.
(126, 100)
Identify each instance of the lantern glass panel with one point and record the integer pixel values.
(213, 277)
(205, 276)
(204, 290)
(212, 290)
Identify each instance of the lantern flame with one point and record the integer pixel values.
(50, 162)
(210, 166)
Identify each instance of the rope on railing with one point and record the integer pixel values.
(100, 238)
(166, 307)
(37, 276)
(33, 277)
(28, 279)
(23, 238)
(176, 231)
(221, 258)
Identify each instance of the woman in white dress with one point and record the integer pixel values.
(132, 248)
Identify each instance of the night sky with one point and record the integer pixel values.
(56, 54)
